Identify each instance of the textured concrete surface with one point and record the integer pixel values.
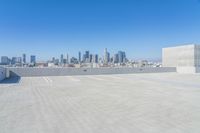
(135, 103)
(186, 58)
(30, 72)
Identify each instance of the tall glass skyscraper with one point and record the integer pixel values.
(87, 54)
(24, 58)
(61, 58)
(79, 57)
(33, 59)
(121, 56)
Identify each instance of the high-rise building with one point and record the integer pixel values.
(56, 62)
(16, 60)
(87, 54)
(24, 58)
(5, 60)
(64, 61)
(79, 57)
(95, 58)
(74, 60)
(124, 56)
(121, 57)
(61, 58)
(53, 60)
(116, 58)
(33, 59)
(106, 56)
(90, 58)
(67, 59)
(84, 58)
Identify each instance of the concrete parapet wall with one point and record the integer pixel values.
(188, 70)
(2, 73)
(31, 72)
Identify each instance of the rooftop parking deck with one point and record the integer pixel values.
(129, 103)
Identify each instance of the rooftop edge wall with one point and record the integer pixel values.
(31, 72)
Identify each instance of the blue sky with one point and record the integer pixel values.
(48, 28)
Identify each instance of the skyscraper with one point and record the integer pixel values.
(87, 54)
(67, 59)
(16, 60)
(96, 59)
(61, 58)
(124, 57)
(4, 60)
(74, 60)
(79, 57)
(116, 58)
(106, 56)
(121, 57)
(33, 59)
(24, 58)
(84, 58)
(90, 58)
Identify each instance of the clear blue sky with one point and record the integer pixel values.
(48, 28)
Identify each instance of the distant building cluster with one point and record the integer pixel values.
(18, 61)
(86, 59)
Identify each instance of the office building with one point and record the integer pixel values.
(121, 57)
(67, 62)
(90, 58)
(79, 57)
(16, 60)
(24, 58)
(53, 60)
(56, 61)
(61, 58)
(106, 56)
(116, 58)
(64, 61)
(84, 58)
(5, 60)
(185, 58)
(87, 54)
(94, 58)
(74, 60)
(124, 56)
(33, 59)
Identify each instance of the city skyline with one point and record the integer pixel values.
(142, 29)
(85, 57)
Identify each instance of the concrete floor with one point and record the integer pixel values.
(135, 103)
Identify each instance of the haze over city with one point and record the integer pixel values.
(48, 28)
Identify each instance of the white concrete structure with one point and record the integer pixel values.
(30, 72)
(185, 58)
(129, 103)
(2, 73)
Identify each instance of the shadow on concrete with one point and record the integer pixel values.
(11, 80)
